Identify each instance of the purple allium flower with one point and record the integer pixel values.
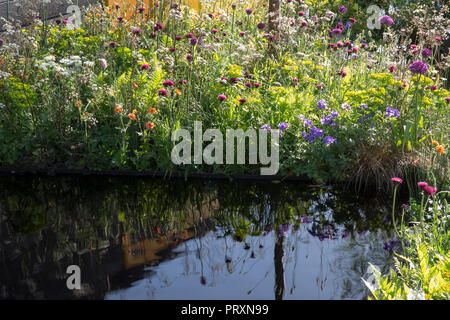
(392, 112)
(189, 57)
(426, 53)
(141, 9)
(249, 11)
(194, 41)
(328, 140)
(386, 20)
(266, 127)
(307, 123)
(321, 104)
(261, 25)
(222, 97)
(189, 35)
(233, 6)
(334, 114)
(342, 9)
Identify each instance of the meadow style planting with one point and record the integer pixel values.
(109, 94)
(364, 106)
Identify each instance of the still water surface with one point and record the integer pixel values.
(159, 239)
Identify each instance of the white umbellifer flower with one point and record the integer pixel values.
(90, 64)
(2, 105)
(49, 58)
(415, 295)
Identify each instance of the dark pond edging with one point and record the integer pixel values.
(150, 174)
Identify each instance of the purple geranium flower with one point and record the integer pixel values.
(325, 120)
(334, 114)
(311, 138)
(321, 104)
(316, 131)
(307, 123)
(327, 140)
(266, 127)
(392, 112)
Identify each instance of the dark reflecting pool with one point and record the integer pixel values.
(157, 239)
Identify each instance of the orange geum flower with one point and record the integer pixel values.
(149, 125)
(440, 149)
(152, 110)
(435, 143)
(135, 85)
(177, 92)
(118, 109)
(135, 111)
(132, 116)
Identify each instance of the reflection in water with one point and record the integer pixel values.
(156, 239)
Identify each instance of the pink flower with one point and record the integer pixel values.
(222, 97)
(145, 67)
(397, 180)
(103, 63)
(429, 190)
(422, 184)
(168, 83)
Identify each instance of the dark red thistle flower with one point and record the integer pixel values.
(162, 92)
(168, 83)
